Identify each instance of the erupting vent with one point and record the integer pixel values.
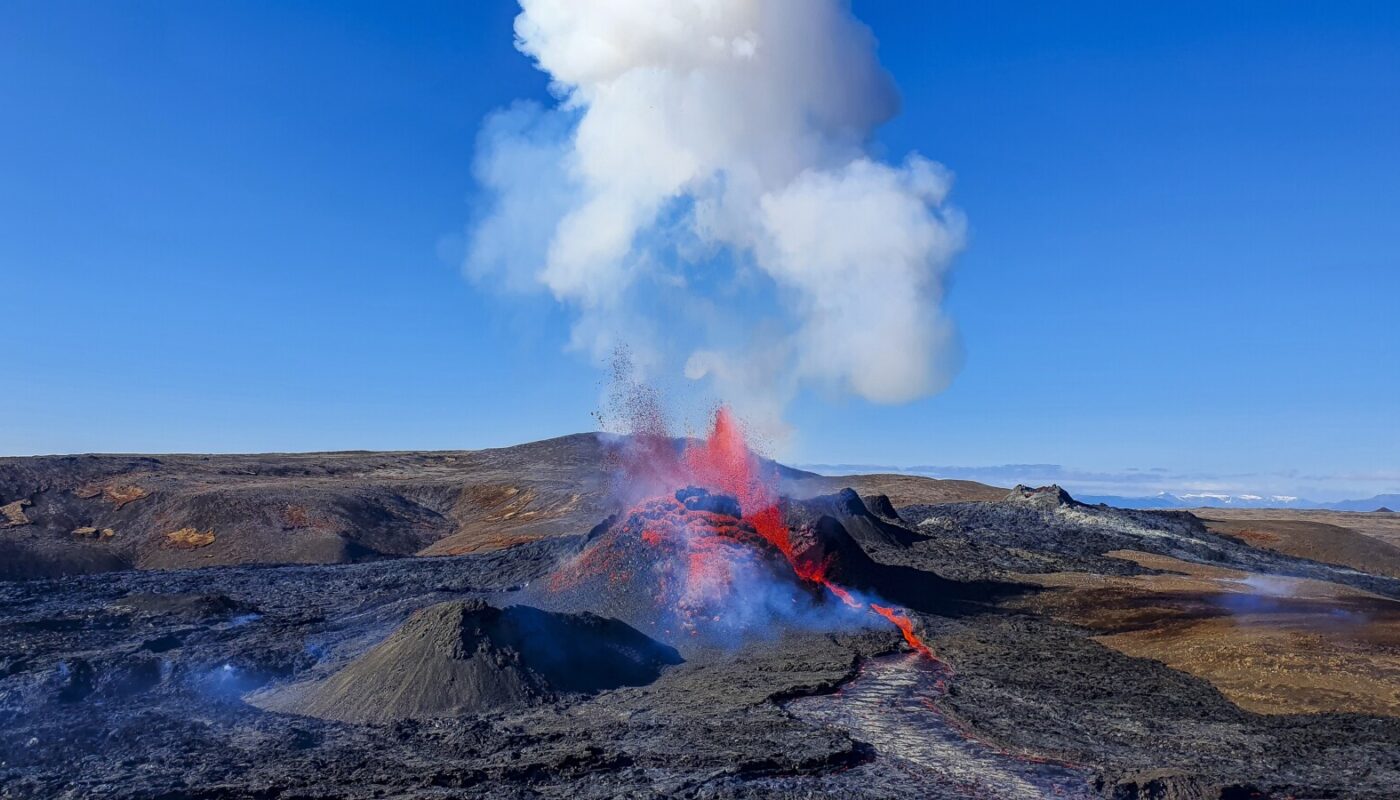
(714, 555)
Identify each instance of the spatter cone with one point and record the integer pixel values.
(690, 569)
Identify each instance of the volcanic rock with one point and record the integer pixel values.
(1167, 784)
(832, 540)
(700, 500)
(460, 658)
(37, 558)
(855, 517)
(194, 607)
(881, 505)
(720, 725)
(293, 508)
(1126, 653)
(1051, 496)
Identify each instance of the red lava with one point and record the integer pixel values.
(724, 463)
(905, 625)
(708, 544)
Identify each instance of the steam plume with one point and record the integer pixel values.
(703, 191)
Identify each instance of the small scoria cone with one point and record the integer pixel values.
(1047, 497)
(461, 658)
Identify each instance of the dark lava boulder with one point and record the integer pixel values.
(1047, 497)
(193, 607)
(1167, 784)
(701, 500)
(884, 508)
(844, 540)
(460, 658)
(848, 510)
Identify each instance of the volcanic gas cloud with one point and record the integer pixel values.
(705, 189)
(706, 544)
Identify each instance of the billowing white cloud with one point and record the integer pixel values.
(703, 190)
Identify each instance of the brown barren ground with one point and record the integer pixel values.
(189, 538)
(903, 490)
(1272, 645)
(1382, 526)
(1318, 541)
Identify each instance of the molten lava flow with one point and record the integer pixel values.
(905, 625)
(724, 463)
(711, 533)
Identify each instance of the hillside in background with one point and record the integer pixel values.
(77, 514)
(1380, 502)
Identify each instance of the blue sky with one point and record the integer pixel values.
(226, 227)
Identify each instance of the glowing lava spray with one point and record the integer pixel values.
(722, 465)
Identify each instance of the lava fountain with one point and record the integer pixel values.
(709, 542)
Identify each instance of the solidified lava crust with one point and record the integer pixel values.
(239, 680)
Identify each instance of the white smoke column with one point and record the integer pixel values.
(715, 150)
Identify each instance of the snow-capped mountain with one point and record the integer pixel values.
(1222, 500)
(1203, 500)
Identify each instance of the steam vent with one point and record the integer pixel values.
(459, 658)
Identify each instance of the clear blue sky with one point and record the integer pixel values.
(221, 229)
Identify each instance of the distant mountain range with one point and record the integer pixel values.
(1385, 502)
(1125, 483)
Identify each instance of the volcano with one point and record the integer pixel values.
(692, 563)
(683, 623)
(1030, 623)
(720, 559)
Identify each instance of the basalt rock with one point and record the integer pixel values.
(842, 542)
(1051, 496)
(192, 607)
(1172, 785)
(856, 518)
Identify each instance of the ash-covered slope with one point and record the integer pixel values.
(870, 553)
(467, 657)
(874, 524)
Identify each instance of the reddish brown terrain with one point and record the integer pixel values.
(1331, 533)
